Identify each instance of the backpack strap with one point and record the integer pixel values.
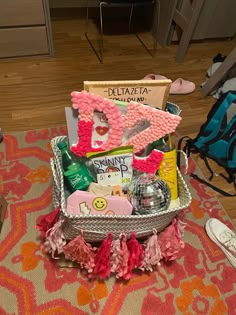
(222, 192)
(231, 178)
(188, 148)
(204, 158)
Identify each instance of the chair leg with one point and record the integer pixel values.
(100, 58)
(154, 38)
(165, 14)
(87, 17)
(188, 32)
(155, 22)
(101, 42)
(101, 32)
(130, 17)
(220, 73)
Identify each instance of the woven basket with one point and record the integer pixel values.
(97, 227)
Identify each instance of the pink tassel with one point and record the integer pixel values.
(180, 226)
(80, 251)
(152, 255)
(120, 256)
(135, 255)
(55, 239)
(102, 259)
(169, 243)
(47, 221)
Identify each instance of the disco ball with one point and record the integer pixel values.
(148, 194)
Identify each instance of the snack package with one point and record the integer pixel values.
(113, 167)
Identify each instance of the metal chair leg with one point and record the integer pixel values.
(101, 31)
(156, 18)
(87, 17)
(101, 42)
(154, 39)
(130, 17)
(100, 58)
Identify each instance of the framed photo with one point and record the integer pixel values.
(149, 92)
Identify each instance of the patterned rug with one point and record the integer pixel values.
(201, 281)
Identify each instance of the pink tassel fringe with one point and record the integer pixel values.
(180, 226)
(120, 256)
(80, 251)
(135, 257)
(47, 222)
(170, 243)
(55, 239)
(102, 259)
(152, 255)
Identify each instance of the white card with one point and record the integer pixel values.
(112, 178)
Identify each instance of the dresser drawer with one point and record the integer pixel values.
(21, 12)
(23, 41)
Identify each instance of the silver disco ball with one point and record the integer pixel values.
(148, 194)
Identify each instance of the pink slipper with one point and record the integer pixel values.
(179, 86)
(152, 76)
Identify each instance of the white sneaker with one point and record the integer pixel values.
(223, 237)
(230, 257)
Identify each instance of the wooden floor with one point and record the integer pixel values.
(35, 90)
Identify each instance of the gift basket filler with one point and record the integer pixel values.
(118, 193)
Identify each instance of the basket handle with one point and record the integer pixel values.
(185, 161)
(55, 174)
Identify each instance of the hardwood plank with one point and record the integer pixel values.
(35, 90)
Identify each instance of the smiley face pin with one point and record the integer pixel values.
(99, 204)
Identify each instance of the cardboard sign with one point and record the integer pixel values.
(3, 209)
(150, 92)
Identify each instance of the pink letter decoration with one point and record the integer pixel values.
(161, 123)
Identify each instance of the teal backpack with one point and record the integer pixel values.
(216, 139)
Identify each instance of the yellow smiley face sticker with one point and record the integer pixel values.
(99, 204)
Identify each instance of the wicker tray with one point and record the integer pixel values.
(96, 227)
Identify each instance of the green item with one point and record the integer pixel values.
(164, 144)
(75, 171)
(160, 145)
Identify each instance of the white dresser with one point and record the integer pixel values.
(25, 28)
